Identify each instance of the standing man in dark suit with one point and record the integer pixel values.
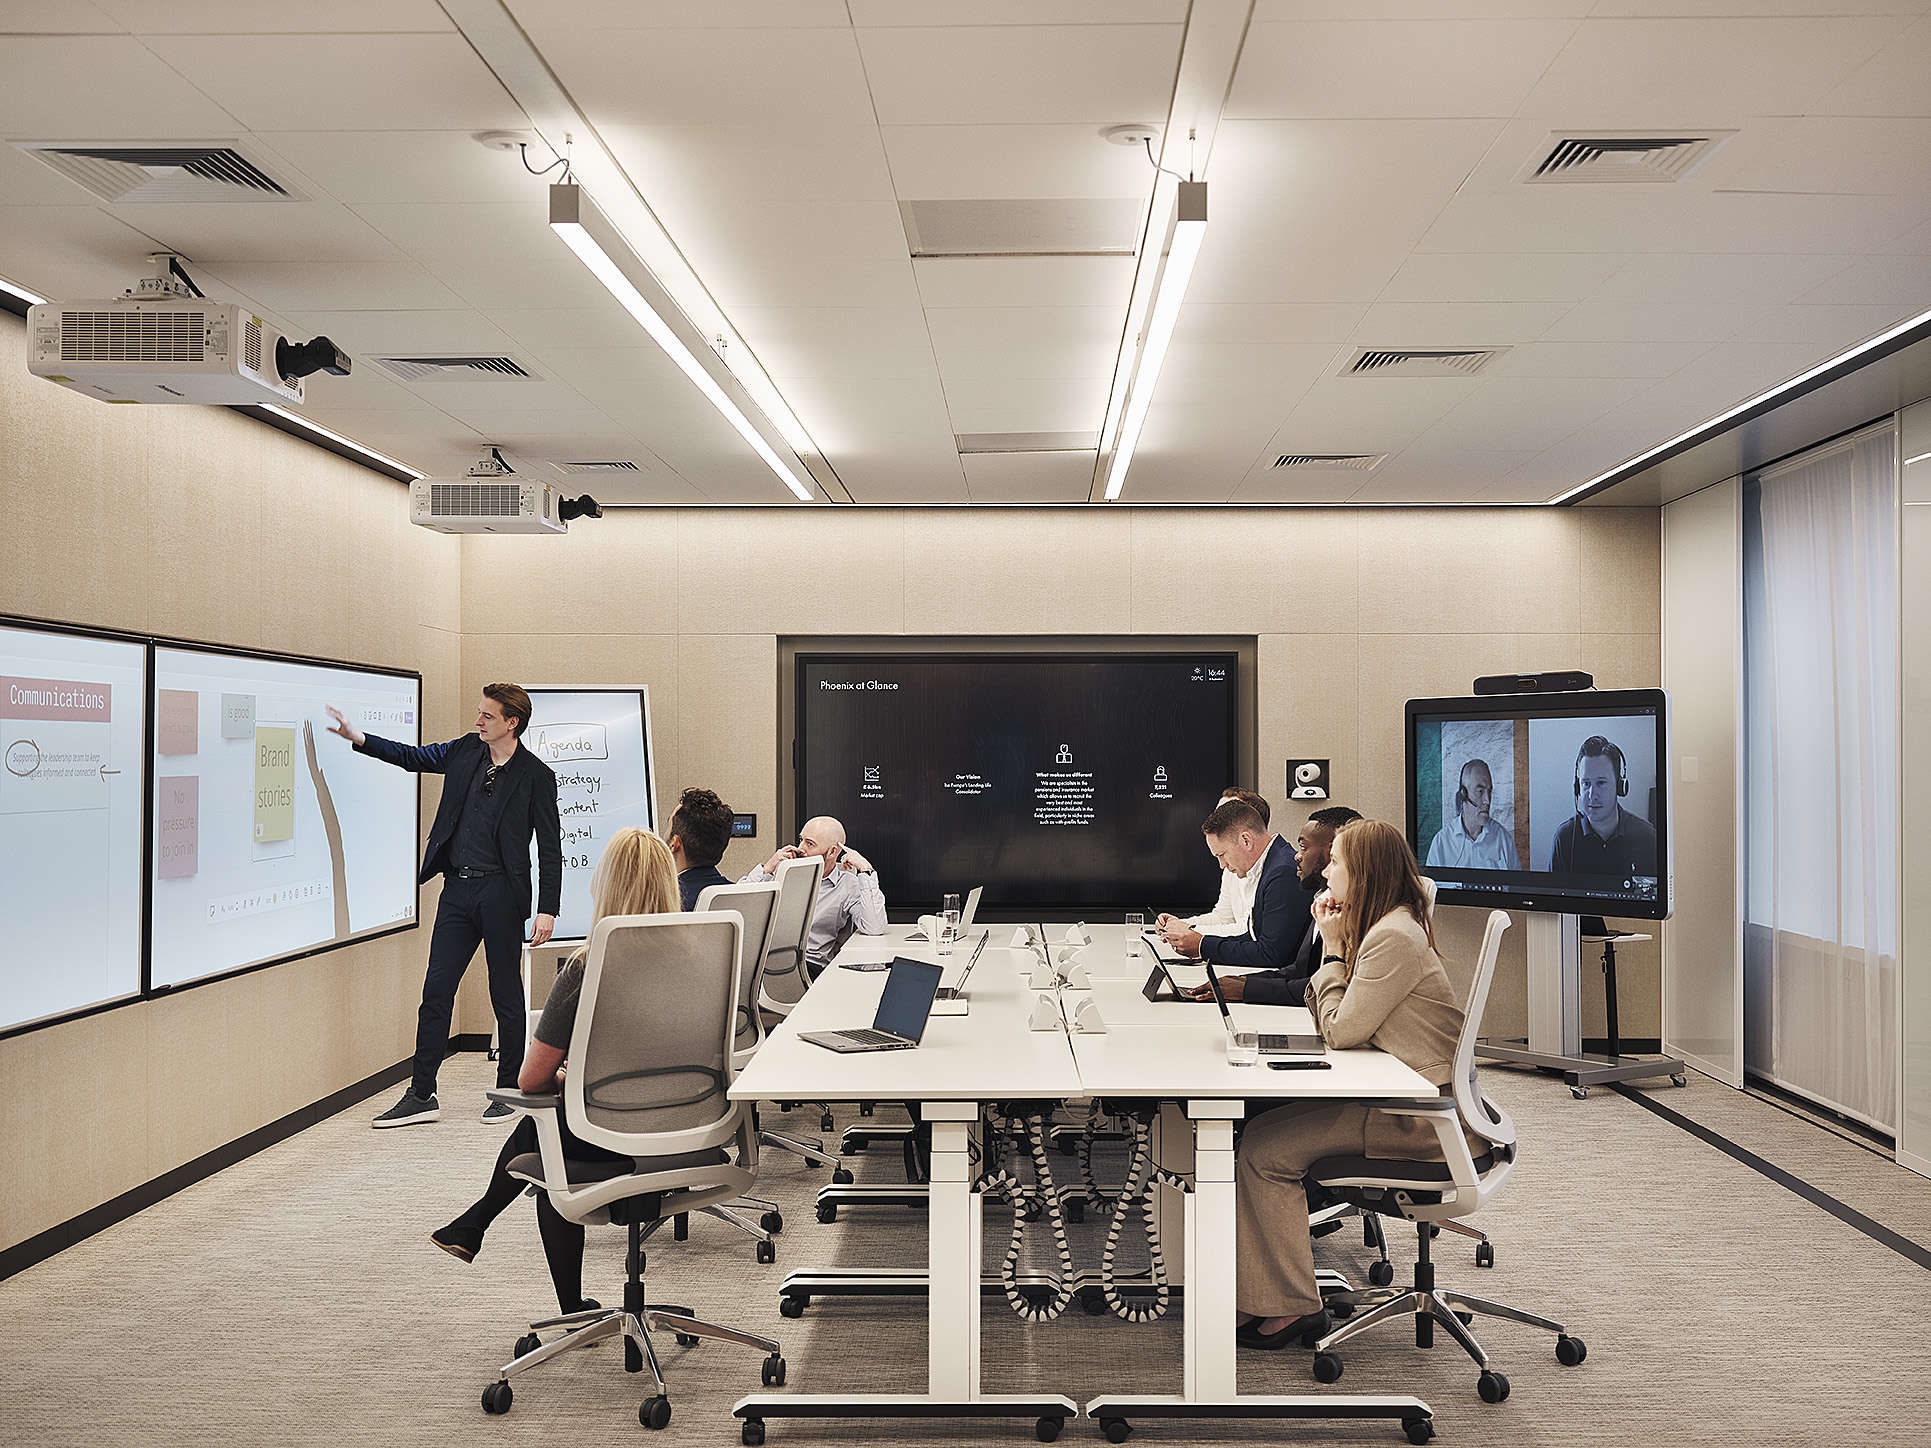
(1241, 842)
(496, 796)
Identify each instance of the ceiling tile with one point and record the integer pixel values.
(1507, 276)
(281, 232)
(1025, 281)
(408, 166)
(130, 93)
(70, 253)
(1260, 378)
(1650, 72)
(1025, 342)
(1268, 12)
(1305, 324)
(1889, 83)
(836, 341)
(1530, 413)
(246, 17)
(685, 168)
(1017, 12)
(846, 416)
(1829, 329)
(541, 329)
(1026, 404)
(1393, 68)
(1010, 162)
(1595, 359)
(329, 286)
(603, 15)
(1683, 277)
(1886, 157)
(1057, 477)
(59, 17)
(995, 75)
(553, 281)
(1903, 281)
(347, 82)
(1628, 321)
(1456, 324)
(461, 233)
(1375, 414)
(407, 333)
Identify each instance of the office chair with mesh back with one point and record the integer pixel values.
(1429, 1193)
(787, 976)
(650, 1063)
(757, 906)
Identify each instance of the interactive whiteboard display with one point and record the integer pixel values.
(71, 718)
(269, 840)
(598, 742)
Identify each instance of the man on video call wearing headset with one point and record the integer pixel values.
(1473, 840)
(1601, 837)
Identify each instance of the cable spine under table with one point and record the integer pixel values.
(1006, 1183)
(1142, 1177)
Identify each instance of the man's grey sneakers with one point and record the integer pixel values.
(498, 1111)
(409, 1111)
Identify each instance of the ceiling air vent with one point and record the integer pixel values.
(1421, 361)
(1082, 227)
(1331, 462)
(1025, 442)
(414, 369)
(616, 465)
(1620, 157)
(163, 172)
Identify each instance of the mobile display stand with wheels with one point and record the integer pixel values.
(1555, 1012)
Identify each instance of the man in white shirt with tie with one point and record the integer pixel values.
(1235, 907)
(1473, 841)
(849, 895)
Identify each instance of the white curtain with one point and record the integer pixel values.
(1820, 666)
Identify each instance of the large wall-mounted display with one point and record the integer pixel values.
(270, 840)
(71, 794)
(1059, 782)
(1554, 802)
(598, 742)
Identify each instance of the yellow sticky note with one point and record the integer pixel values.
(274, 784)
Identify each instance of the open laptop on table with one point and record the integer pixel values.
(951, 999)
(904, 1006)
(1271, 1043)
(965, 916)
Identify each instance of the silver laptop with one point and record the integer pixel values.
(904, 1006)
(965, 916)
(957, 992)
(1271, 1043)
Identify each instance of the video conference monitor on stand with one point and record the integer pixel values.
(1544, 802)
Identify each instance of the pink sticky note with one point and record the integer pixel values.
(174, 723)
(177, 826)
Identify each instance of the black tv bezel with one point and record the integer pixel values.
(1578, 704)
(995, 912)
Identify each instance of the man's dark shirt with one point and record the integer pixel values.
(696, 880)
(1579, 850)
(475, 847)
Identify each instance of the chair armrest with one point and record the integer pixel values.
(528, 1100)
(1429, 1107)
(1447, 1121)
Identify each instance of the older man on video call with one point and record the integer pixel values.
(1471, 840)
(849, 896)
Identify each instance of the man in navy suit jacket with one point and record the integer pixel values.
(496, 797)
(1241, 841)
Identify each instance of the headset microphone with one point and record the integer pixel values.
(1597, 747)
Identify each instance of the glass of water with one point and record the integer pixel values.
(1134, 925)
(1243, 1048)
(948, 924)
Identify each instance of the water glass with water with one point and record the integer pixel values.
(1243, 1048)
(1135, 924)
(948, 924)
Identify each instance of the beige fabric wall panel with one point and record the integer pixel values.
(1273, 572)
(1014, 571)
(201, 524)
(723, 681)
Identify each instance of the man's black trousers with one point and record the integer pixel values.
(486, 910)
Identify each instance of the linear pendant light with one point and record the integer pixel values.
(576, 220)
(1189, 230)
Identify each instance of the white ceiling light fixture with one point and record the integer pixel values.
(1182, 251)
(576, 220)
(32, 299)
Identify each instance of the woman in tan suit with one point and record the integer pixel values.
(1381, 983)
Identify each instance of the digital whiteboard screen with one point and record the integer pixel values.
(598, 742)
(71, 793)
(271, 838)
(1056, 781)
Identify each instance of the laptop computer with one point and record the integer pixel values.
(951, 999)
(1271, 1043)
(904, 1006)
(965, 916)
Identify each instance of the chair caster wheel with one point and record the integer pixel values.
(842, 1178)
(767, 1254)
(529, 1342)
(1484, 1255)
(1065, 1145)
(1467, 1318)
(1116, 1429)
(1679, 1080)
(1570, 1350)
(1419, 1430)
(792, 1306)
(685, 1339)
(655, 1412)
(753, 1433)
(1092, 1300)
(868, 1108)
(497, 1398)
(1581, 1093)
(1076, 1210)
(851, 1147)
(1492, 1386)
(1047, 1429)
(1327, 1368)
(827, 1212)
(772, 1372)
(825, 1123)
(1340, 1311)
(1381, 1273)
(772, 1222)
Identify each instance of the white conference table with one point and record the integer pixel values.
(1167, 1052)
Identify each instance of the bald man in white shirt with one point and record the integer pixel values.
(849, 896)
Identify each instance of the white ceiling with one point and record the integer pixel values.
(1365, 192)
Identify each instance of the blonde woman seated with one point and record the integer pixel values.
(1381, 983)
(636, 876)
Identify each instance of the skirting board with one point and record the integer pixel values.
(42, 1245)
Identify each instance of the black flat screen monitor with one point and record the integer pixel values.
(1066, 782)
(1551, 802)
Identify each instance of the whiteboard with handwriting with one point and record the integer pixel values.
(598, 742)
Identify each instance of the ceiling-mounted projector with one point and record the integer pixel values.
(164, 343)
(495, 499)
